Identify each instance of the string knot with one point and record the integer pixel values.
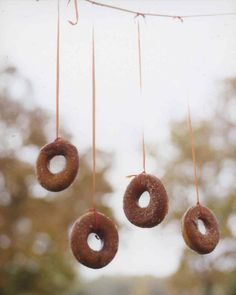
(58, 139)
(131, 175)
(178, 18)
(134, 175)
(138, 14)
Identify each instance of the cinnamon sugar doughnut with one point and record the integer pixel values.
(104, 228)
(57, 181)
(201, 243)
(157, 208)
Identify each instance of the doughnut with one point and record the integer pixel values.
(157, 208)
(56, 182)
(201, 243)
(105, 229)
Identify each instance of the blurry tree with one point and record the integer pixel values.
(35, 257)
(215, 140)
(128, 285)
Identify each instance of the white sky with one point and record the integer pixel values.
(180, 61)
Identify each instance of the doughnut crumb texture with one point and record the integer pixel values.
(56, 182)
(105, 229)
(157, 208)
(197, 241)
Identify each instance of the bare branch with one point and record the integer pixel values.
(143, 14)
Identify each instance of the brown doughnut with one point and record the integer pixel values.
(105, 229)
(56, 182)
(157, 209)
(201, 243)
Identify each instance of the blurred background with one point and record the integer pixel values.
(192, 61)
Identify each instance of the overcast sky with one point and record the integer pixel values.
(181, 61)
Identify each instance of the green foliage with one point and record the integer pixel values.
(145, 285)
(215, 141)
(34, 249)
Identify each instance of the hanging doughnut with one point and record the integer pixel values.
(157, 209)
(201, 243)
(56, 182)
(104, 228)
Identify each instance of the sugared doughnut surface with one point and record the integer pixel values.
(57, 181)
(105, 229)
(157, 208)
(199, 242)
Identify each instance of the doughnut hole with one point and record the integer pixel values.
(201, 226)
(95, 242)
(57, 164)
(144, 200)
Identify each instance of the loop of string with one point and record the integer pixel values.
(133, 175)
(58, 62)
(193, 154)
(76, 13)
(58, 69)
(140, 88)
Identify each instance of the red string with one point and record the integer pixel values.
(93, 209)
(140, 87)
(139, 58)
(193, 155)
(143, 153)
(96, 219)
(94, 119)
(58, 69)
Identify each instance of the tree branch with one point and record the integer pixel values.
(136, 13)
(143, 14)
